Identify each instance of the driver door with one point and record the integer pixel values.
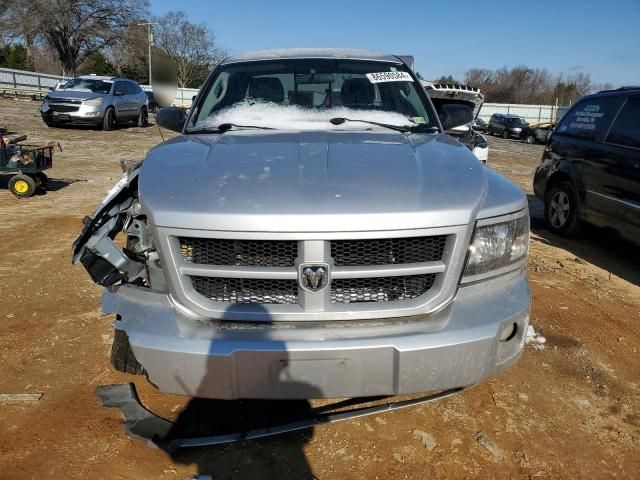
(120, 99)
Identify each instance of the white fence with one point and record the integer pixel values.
(15, 80)
(531, 113)
(28, 80)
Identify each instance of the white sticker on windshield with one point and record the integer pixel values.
(389, 77)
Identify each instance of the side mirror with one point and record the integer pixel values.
(171, 118)
(52, 89)
(453, 115)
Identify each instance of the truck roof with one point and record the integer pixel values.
(292, 53)
(100, 77)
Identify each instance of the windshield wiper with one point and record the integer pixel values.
(341, 120)
(225, 127)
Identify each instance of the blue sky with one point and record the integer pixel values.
(565, 36)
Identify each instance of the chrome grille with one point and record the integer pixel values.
(374, 275)
(388, 251)
(244, 253)
(380, 289)
(247, 290)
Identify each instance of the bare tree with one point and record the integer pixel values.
(523, 84)
(73, 28)
(478, 77)
(128, 53)
(189, 46)
(446, 80)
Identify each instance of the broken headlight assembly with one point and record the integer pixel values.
(120, 211)
(499, 245)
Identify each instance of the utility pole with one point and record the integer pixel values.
(149, 26)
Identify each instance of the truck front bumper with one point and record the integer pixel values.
(477, 335)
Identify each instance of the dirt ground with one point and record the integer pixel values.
(570, 410)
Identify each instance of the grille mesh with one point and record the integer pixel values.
(64, 108)
(242, 253)
(380, 289)
(247, 290)
(388, 251)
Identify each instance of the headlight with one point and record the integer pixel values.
(93, 102)
(497, 248)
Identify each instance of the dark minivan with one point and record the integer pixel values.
(590, 170)
(506, 125)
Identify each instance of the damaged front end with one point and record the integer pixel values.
(120, 211)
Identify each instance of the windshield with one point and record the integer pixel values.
(516, 122)
(95, 86)
(306, 93)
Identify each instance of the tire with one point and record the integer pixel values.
(143, 118)
(41, 179)
(561, 209)
(505, 134)
(490, 131)
(22, 186)
(530, 139)
(122, 357)
(109, 119)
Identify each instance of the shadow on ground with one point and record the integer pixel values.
(281, 457)
(601, 247)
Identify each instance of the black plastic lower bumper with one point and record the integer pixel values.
(142, 424)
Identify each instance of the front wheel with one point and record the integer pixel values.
(109, 119)
(490, 131)
(505, 133)
(122, 357)
(530, 139)
(561, 210)
(143, 118)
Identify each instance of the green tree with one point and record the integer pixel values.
(97, 63)
(15, 56)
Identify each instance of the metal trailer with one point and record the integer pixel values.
(27, 163)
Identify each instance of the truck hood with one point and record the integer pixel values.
(329, 181)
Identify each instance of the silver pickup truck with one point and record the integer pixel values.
(312, 233)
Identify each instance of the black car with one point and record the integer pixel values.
(479, 125)
(153, 104)
(506, 125)
(537, 133)
(590, 169)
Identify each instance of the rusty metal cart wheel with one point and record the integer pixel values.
(22, 186)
